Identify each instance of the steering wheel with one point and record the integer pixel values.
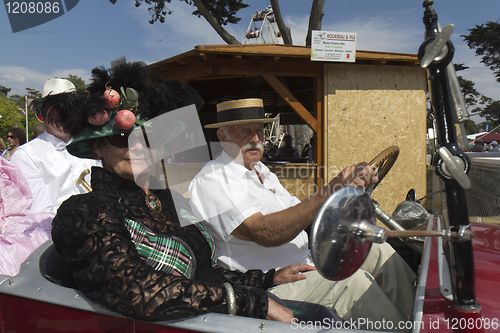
(381, 164)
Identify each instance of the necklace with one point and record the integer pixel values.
(153, 203)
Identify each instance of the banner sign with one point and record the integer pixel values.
(333, 46)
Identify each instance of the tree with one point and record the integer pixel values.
(4, 90)
(20, 101)
(9, 117)
(471, 127)
(285, 31)
(472, 97)
(216, 12)
(485, 39)
(76, 80)
(315, 19)
(221, 12)
(492, 113)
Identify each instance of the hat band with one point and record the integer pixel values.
(240, 114)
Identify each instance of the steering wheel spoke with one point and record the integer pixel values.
(381, 164)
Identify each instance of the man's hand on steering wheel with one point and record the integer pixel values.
(359, 175)
(364, 175)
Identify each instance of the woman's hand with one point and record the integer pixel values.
(278, 312)
(291, 274)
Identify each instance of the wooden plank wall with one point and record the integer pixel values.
(369, 108)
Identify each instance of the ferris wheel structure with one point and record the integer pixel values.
(263, 29)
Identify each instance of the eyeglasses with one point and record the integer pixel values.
(121, 140)
(10, 137)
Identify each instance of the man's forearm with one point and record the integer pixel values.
(281, 227)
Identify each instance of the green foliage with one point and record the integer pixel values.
(223, 11)
(32, 93)
(471, 127)
(4, 90)
(474, 100)
(472, 97)
(485, 39)
(481, 127)
(20, 101)
(17, 100)
(492, 113)
(11, 117)
(76, 80)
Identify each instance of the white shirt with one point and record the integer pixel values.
(224, 194)
(51, 171)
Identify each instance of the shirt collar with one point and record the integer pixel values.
(55, 141)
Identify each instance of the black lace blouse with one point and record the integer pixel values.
(90, 234)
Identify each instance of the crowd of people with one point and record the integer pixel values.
(480, 146)
(236, 246)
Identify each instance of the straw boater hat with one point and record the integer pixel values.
(241, 111)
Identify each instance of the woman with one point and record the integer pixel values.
(15, 138)
(21, 231)
(114, 235)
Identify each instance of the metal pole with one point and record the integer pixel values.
(26, 112)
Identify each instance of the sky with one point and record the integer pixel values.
(96, 32)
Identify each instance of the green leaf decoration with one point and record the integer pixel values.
(130, 98)
(132, 94)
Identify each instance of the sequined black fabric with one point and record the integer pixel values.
(89, 232)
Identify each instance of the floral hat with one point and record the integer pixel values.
(127, 97)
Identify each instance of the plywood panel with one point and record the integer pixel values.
(297, 178)
(370, 108)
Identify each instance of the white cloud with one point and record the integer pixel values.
(20, 78)
(378, 32)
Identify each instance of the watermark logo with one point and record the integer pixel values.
(28, 14)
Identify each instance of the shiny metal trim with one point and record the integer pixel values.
(418, 304)
(445, 285)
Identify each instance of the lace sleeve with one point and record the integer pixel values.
(253, 278)
(108, 269)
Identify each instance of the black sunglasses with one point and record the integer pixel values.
(10, 137)
(121, 140)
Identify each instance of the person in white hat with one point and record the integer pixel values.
(257, 224)
(494, 147)
(50, 170)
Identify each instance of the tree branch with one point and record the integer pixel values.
(285, 31)
(226, 36)
(315, 19)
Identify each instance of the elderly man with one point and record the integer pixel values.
(50, 170)
(257, 224)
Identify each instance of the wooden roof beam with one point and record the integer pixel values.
(190, 72)
(284, 93)
(258, 68)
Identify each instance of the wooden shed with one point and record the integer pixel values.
(355, 109)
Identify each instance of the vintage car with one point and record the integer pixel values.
(458, 262)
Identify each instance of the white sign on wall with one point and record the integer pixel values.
(333, 46)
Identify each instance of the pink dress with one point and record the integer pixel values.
(20, 231)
